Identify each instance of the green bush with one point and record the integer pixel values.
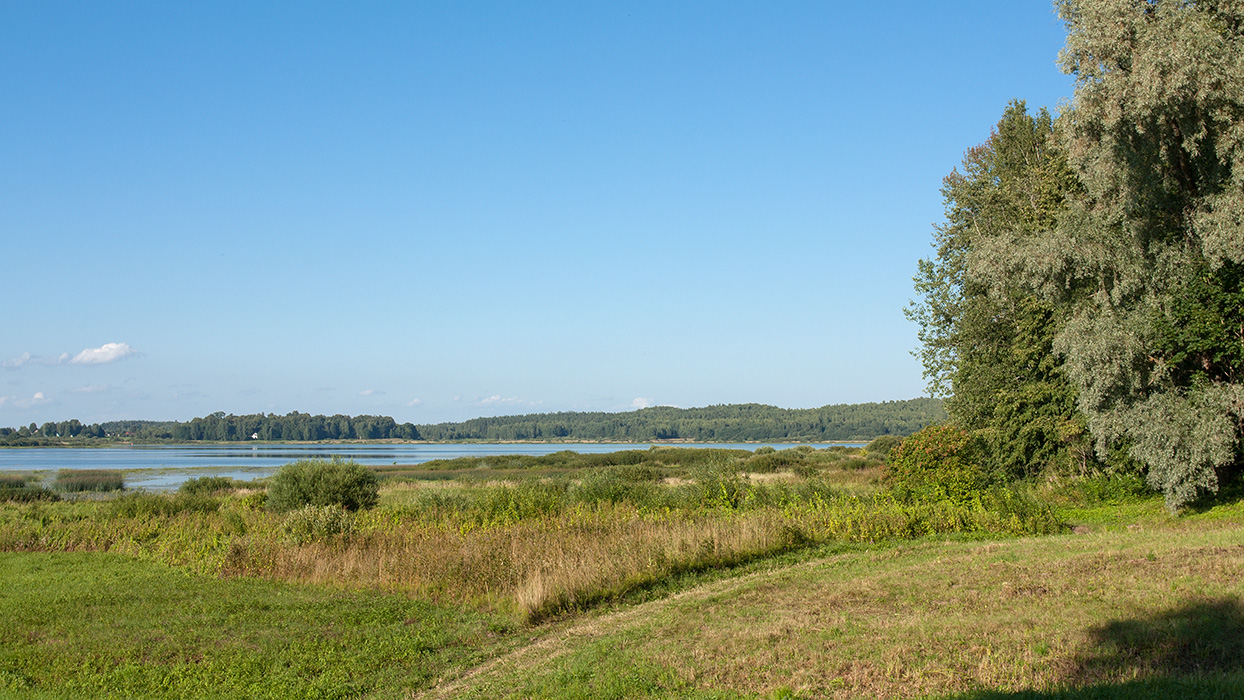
(612, 485)
(312, 523)
(806, 471)
(773, 461)
(206, 484)
(694, 456)
(882, 446)
(636, 473)
(321, 482)
(530, 498)
(716, 486)
(765, 450)
(1113, 489)
(89, 480)
(253, 500)
(938, 463)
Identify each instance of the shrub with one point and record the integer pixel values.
(312, 523)
(253, 500)
(320, 482)
(206, 484)
(716, 486)
(531, 498)
(694, 456)
(765, 450)
(89, 480)
(806, 471)
(1113, 489)
(773, 461)
(937, 463)
(882, 446)
(636, 473)
(611, 485)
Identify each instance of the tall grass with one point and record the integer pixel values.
(21, 489)
(535, 548)
(566, 459)
(207, 485)
(79, 480)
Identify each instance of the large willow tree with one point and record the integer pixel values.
(1141, 268)
(1156, 134)
(1149, 256)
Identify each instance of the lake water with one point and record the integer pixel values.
(164, 467)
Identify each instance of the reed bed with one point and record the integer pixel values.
(80, 480)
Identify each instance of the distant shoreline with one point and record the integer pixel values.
(656, 443)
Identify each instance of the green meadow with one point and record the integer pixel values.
(644, 573)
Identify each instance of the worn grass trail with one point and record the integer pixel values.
(1138, 612)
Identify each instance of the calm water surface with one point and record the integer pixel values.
(166, 466)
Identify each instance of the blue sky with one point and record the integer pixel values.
(440, 210)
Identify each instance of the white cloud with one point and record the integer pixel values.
(414, 402)
(640, 402)
(108, 352)
(28, 359)
(90, 389)
(38, 398)
(23, 359)
(498, 400)
(367, 392)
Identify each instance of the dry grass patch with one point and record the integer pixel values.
(858, 481)
(933, 619)
(1009, 616)
(538, 566)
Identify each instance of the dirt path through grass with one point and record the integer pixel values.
(555, 640)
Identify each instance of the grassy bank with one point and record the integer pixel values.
(1149, 609)
(790, 560)
(106, 626)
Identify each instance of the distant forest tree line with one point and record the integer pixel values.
(726, 423)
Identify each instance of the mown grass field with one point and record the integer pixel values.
(1148, 611)
(671, 575)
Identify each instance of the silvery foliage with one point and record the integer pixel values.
(1156, 136)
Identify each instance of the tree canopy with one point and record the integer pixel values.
(1098, 279)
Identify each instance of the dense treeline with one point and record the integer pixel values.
(712, 424)
(219, 427)
(1085, 306)
(726, 423)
